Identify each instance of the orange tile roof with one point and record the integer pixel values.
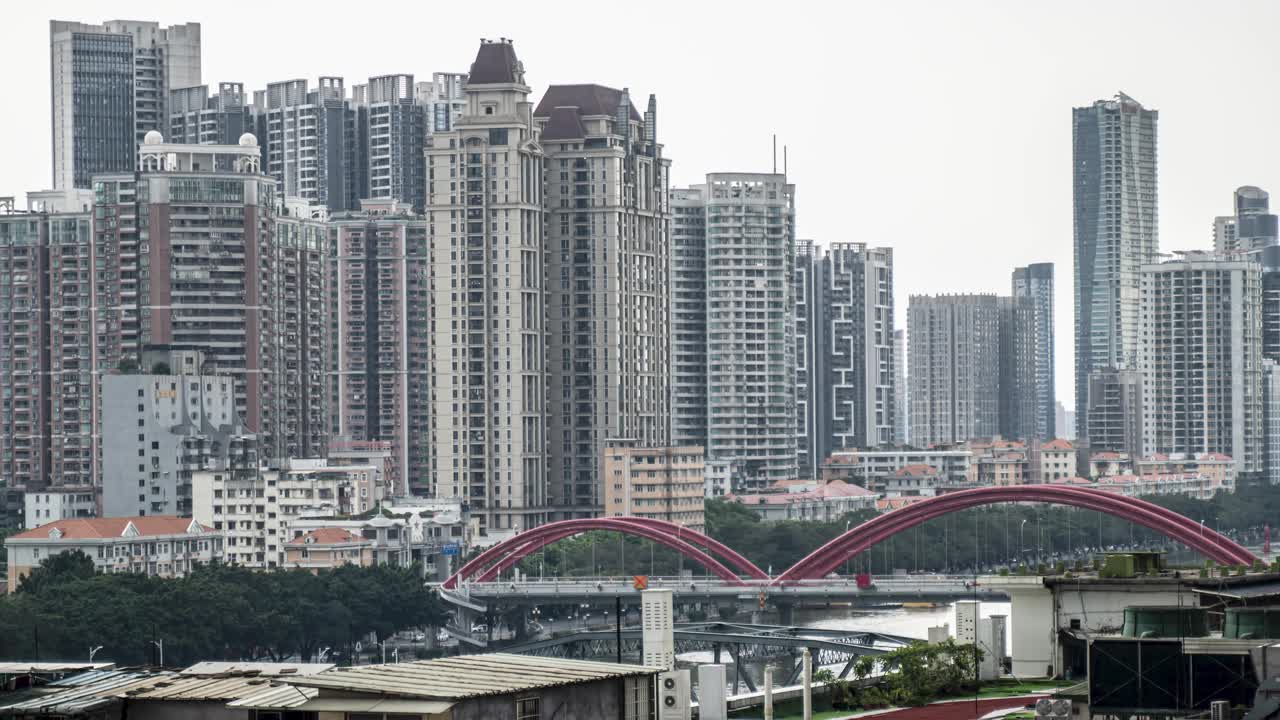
(1058, 444)
(895, 503)
(916, 470)
(100, 528)
(1107, 456)
(326, 536)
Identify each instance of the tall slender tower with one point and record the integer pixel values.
(954, 349)
(488, 306)
(1114, 167)
(608, 227)
(1034, 413)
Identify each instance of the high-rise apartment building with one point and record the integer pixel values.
(856, 376)
(1201, 357)
(901, 410)
(1271, 421)
(110, 85)
(1115, 412)
(391, 132)
(953, 351)
(608, 244)
(191, 253)
(808, 362)
(750, 324)
(1114, 169)
(444, 99)
(309, 145)
(1034, 409)
(380, 308)
(198, 119)
(46, 372)
(1252, 228)
(488, 306)
(689, 316)
(662, 483)
(1269, 257)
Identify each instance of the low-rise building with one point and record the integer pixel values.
(254, 509)
(665, 483)
(328, 548)
(58, 503)
(913, 480)
(497, 686)
(159, 545)
(1219, 468)
(1193, 485)
(1001, 468)
(1109, 463)
(1057, 460)
(397, 537)
(826, 502)
(869, 468)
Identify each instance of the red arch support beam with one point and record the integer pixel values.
(827, 558)
(692, 544)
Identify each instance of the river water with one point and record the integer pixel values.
(911, 622)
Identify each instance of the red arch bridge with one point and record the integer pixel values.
(735, 570)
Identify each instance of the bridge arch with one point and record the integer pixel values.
(827, 558)
(692, 544)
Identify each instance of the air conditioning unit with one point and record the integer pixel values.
(1220, 710)
(673, 695)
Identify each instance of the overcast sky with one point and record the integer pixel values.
(941, 129)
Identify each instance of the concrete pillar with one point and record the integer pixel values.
(1031, 624)
(712, 703)
(786, 613)
(807, 659)
(768, 692)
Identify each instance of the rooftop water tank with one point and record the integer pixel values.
(1165, 622)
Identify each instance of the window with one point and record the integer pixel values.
(528, 709)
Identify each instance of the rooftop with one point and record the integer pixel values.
(327, 536)
(589, 99)
(496, 63)
(830, 490)
(467, 676)
(101, 528)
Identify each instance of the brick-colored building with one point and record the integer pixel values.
(160, 545)
(664, 483)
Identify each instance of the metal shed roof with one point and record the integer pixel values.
(260, 668)
(467, 676)
(89, 695)
(196, 688)
(280, 696)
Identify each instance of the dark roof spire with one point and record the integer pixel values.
(496, 63)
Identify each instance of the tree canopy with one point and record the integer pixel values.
(217, 612)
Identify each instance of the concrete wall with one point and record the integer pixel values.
(588, 701)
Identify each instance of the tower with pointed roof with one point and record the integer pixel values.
(488, 306)
(608, 277)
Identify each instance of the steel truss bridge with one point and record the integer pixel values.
(743, 643)
(734, 569)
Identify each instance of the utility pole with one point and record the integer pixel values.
(160, 645)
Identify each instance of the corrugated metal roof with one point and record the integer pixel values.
(467, 676)
(196, 688)
(80, 698)
(375, 705)
(261, 668)
(280, 696)
(22, 668)
(1242, 591)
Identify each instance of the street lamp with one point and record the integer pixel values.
(1022, 546)
(93, 651)
(160, 644)
(847, 523)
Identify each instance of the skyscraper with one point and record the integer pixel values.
(953, 351)
(197, 118)
(46, 371)
(391, 132)
(1201, 358)
(194, 255)
(1114, 167)
(751, 363)
(380, 307)
(110, 85)
(309, 144)
(1034, 415)
(1115, 412)
(488, 306)
(856, 373)
(809, 363)
(689, 316)
(608, 240)
(901, 410)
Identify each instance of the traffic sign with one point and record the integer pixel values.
(641, 582)
(450, 549)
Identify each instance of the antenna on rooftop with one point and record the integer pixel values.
(775, 153)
